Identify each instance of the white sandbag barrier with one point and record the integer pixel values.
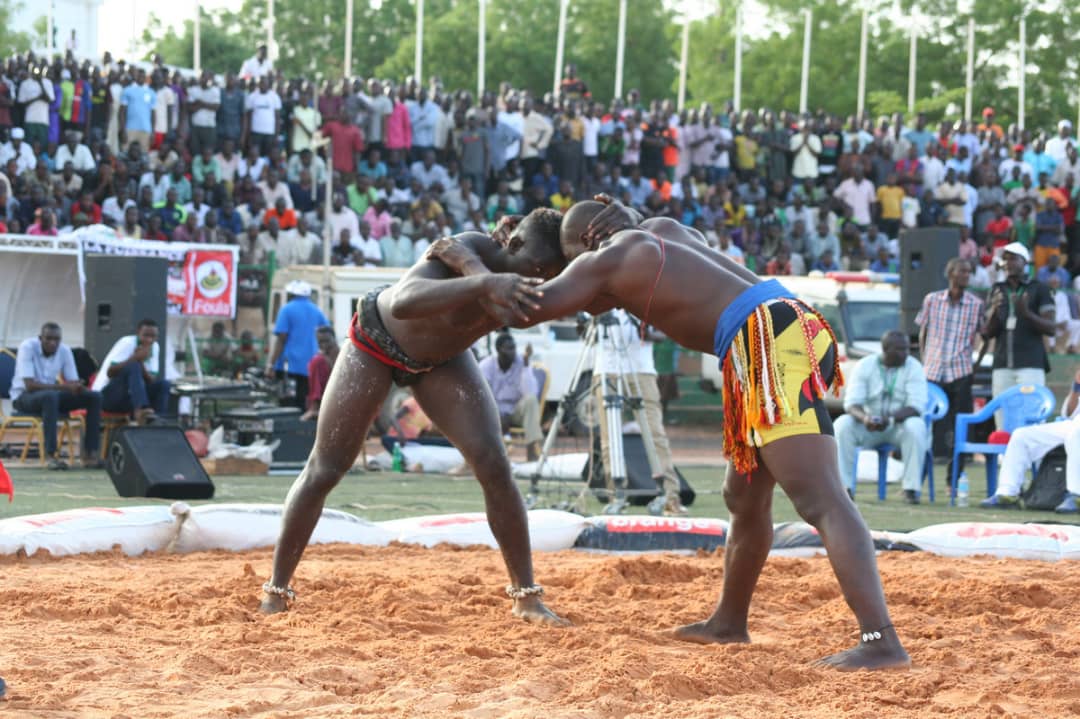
(550, 530)
(93, 529)
(1048, 542)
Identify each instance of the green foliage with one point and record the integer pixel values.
(10, 39)
(221, 52)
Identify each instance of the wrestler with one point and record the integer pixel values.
(423, 340)
(778, 359)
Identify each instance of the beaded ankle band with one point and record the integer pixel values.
(521, 592)
(875, 635)
(275, 591)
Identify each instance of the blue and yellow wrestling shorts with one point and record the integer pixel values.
(778, 358)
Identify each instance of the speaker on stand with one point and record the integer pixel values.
(923, 254)
(121, 291)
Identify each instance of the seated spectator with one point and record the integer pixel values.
(164, 158)
(1053, 268)
(157, 181)
(343, 254)
(115, 208)
(513, 385)
(319, 371)
(88, 209)
(189, 231)
(378, 218)
(18, 151)
(563, 200)
(47, 385)
(547, 178)
(428, 173)
(128, 379)
(228, 164)
(1029, 445)
(285, 215)
(397, 249)
(78, 154)
(252, 165)
(273, 189)
(247, 355)
(154, 231)
(44, 223)
(502, 201)
(884, 262)
(368, 247)
(361, 195)
(306, 160)
(461, 201)
(826, 262)
(130, 227)
(217, 351)
(780, 264)
(1000, 229)
(255, 246)
(884, 402)
(411, 424)
(171, 214)
(1066, 317)
(197, 206)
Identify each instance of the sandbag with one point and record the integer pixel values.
(642, 533)
(1048, 542)
(550, 530)
(796, 539)
(92, 529)
(237, 527)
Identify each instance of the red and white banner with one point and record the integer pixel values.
(209, 283)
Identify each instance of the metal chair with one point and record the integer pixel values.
(937, 406)
(1021, 406)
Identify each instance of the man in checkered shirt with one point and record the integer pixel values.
(949, 322)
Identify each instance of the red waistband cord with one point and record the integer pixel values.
(656, 283)
(364, 343)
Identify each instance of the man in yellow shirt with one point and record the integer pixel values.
(890, 198)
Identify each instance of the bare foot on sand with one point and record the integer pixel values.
(884, 653)
(531, 609)
(703, 633)
(272, 604)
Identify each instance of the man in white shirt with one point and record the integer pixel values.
(114, 207)
(590, 145)
(262, 118)
(535, 137)
(805, 148)
(36, 93)
(954, 197)
(857, 193)
(273, 189)
(368, 245)
(46, 385)
(342, 218)
(258, 66)
(933, 168)
(21, 152)
(78, 154)
(428, 172)
(163, 104)
(203, 101)
(128, 378)
(1057, 147)
(513, 119)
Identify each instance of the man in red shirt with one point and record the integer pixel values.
(319, 370)
(347, 142)
(286, 216)
(1000, 229)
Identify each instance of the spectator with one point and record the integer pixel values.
(129, 376)
(889, 208)
(36, 94)
(884, 403)
(18, 151)
(1053, 268)
(230, 116)
(826, 262)
(319, 371)
(423, 117)
(399, 125)
(262, 118)
(295, 341)
(429, 173)
(397, 249)
(536, 135)
(74, 152)
(46, 385)
(217, 353)
(1049, 232)
(306, 120)
(1029, 445)
(857, 193)
(282, 213)
(44, 224)
(367, 246)
(953, 197)
(258, 66)
(513, 384)
(361, 195)
(377, 216)
(805, 150)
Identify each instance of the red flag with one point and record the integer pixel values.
(6, 487)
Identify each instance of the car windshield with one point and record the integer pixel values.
(871, 320)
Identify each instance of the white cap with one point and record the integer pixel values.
(1064, 124)
(17, 133)
(65, 74)
(1015, 248)
(303, 289)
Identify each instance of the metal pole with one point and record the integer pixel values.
(911, 71)
(862, 67)
(328, 240)
(804, 89)
(737, 99)
(418, 61)
(197, 38)
(1023, 72)
(560, 44)
(620, 49)
(481, 52)
(348, 37)
(271, 49)
(683, 59)
(970, 82)
(50, 48)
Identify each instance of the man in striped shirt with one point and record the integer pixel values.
(948, 325)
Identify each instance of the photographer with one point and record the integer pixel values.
(1019, 314)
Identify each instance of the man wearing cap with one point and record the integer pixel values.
(1056, 147)
(295, 341)
(257, 66)
(1005, 169)
(18, 150)
(989, 124)
(1019, 315)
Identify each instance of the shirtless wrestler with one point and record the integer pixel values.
(778, 359)
(422, 340)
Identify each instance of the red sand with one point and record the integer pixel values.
(409, 632)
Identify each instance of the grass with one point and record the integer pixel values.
(385, 495)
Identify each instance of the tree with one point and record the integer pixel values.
(221, 52)
(12, 40)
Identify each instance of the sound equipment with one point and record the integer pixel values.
(641, 488)
(923, 255)
(121, 291)
(156, 462)
(244, 425)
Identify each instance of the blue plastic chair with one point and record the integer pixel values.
(1021, 406)
(937, 406)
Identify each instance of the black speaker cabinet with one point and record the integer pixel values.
(121, 291)
(923, 254)
(156, 462)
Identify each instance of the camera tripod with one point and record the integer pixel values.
(605, 349)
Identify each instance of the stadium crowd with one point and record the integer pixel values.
(159, 154)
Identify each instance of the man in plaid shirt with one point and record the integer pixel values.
(948, 325)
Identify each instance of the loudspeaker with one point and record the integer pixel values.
(641, 488)
(156, 462)
(923, 254)
(244, 425)
(121, 291)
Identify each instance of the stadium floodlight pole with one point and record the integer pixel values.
(969, 83)
(418, 59)
(481, 50)
(1023, 69)
(804, 87)
(196, 41)
(683, 60)
(560, 44)
(911, 70)
(348, 37)
(620, 49)
(270, 47)
(861, 102)
(328, 232)
(49, 47)
(737, 99)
